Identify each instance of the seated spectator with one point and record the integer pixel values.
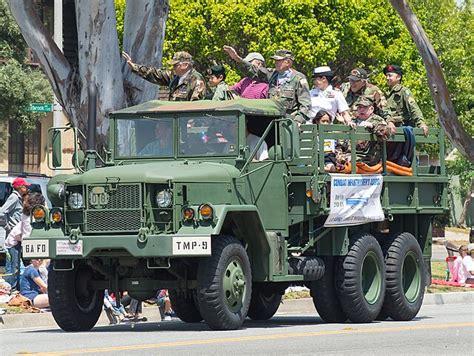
(324, 97)
(134, 307)
(216, 80)
(113, 311)
(464, 264)
(251, 88)
(20, 231)
(33, 287)
(164, 305)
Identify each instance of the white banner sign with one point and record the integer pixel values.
(355, 199)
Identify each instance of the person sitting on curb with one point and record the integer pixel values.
(33, 287)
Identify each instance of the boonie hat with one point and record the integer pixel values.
(254, 55)
(364, 101)
(20, 182)
(470, 247)
(357, 74)
(182, 57)
(393, 68)
(216, 70)
(323, 71)
(283, 54)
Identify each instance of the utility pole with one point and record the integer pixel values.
(58, 39)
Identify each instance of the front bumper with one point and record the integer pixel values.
(176, 245)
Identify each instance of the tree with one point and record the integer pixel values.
(98, 58)
(20, 85)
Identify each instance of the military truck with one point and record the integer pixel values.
(181, 203)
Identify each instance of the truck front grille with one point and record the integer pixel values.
(119, 211)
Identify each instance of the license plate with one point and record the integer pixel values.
(35, 248)
(192, 245)
(66, 248)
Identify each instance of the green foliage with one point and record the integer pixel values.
(120, 17)
(20, 85)
(340, 33)
(465, 170)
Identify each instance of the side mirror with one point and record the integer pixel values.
(57, 148)
(78, 158)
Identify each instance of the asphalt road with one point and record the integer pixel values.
(438, 330)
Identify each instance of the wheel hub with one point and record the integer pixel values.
(234, 285)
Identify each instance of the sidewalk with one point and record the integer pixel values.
(288, 307)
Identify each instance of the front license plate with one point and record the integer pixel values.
(192, 245)
(35, 248)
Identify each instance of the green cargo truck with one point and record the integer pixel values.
(180, 203)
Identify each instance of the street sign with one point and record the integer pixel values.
(41, 107)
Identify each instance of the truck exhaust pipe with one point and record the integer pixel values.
(92, 117)
(91, 153)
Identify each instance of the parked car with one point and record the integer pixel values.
(38, 184)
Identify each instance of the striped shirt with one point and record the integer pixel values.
(251, 89)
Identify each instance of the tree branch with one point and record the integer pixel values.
(439, 91)
(51, 59)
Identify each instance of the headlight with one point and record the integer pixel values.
(164, 199)
(75, 201)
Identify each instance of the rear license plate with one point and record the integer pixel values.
(192, 245)
(35, 248)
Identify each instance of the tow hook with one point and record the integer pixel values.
(142, 235)
(74, 235)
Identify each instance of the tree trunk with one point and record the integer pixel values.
(99, 59)
(439, 91)
(143, 37)
(467, 202)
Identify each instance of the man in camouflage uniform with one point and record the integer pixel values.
(358, 86)
(368, 152)
(401, 105)
(287, 85)
(184, 82)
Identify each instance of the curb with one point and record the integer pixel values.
(288, 307)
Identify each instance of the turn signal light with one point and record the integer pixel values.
(38, 213)
(56, 216)
(309, 193)
(206, 211)
(188, 214)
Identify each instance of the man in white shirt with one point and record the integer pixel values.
(324, 97)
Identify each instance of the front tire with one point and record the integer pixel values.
(265, 302)
(74, 304)
(405, 277)
(361, 279)
(225, 284)
(185, 308)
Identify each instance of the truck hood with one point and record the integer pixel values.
(159, 172)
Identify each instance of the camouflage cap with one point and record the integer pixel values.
(365, 100)
(358, 74)
(393, 68)
(182, 57)
(283, 54)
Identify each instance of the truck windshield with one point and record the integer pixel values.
(208, 135)
(145, 137)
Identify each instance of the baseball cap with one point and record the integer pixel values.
(216, 70)
(358, 74)
(323, 71)
(254, 55)
(393, 68)
(364, 101)
(283, 54)
(20, 182)
(182, 57)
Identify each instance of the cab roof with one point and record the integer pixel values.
(247, 106)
